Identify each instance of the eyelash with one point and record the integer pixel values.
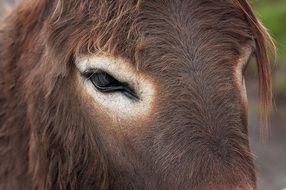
(106, 83)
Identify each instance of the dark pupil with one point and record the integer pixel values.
(104, 80)
(108, 84)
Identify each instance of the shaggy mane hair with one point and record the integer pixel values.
(47, 138)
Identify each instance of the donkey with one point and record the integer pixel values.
(137, 94)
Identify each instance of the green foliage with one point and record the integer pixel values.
(272, 13)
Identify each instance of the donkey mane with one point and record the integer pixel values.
(44, 141)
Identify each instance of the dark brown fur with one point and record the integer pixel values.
(51, 139)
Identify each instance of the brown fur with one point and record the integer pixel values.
(51, 139)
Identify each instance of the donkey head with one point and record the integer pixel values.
(138, 94)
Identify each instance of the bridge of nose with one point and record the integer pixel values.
(200, 120)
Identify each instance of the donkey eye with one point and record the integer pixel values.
(106, 83)
(248, 61)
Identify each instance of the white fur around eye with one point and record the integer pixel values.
(239, 72)
(117, 104)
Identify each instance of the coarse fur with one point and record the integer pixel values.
(52, 138)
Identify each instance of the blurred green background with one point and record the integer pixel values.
(273, 15)
(271, 157)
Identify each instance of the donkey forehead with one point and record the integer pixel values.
(152, 33)
(194, 33)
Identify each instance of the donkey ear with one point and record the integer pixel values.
(264, 43)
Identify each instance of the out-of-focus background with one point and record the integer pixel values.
(270, 157)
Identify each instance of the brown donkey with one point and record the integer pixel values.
(128, 94)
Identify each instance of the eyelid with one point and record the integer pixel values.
(128, 90)
(93, 70)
